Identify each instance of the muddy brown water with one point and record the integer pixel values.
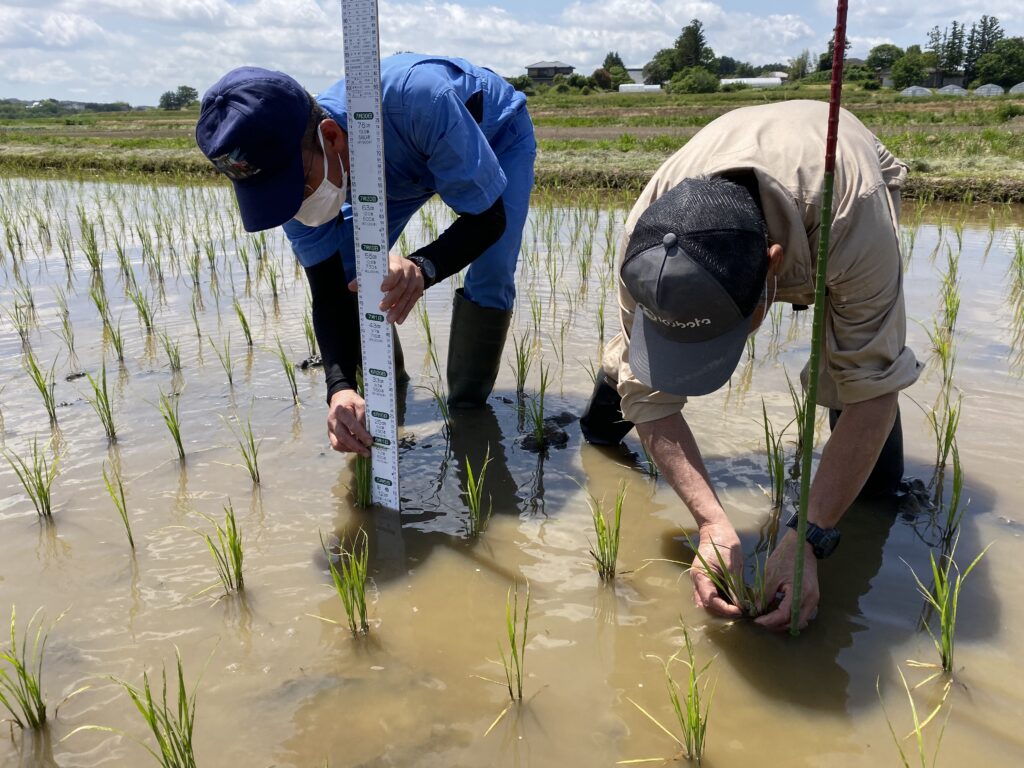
(277, 686)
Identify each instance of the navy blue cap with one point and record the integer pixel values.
(250, 127)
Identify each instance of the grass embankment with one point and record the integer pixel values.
(955, 146)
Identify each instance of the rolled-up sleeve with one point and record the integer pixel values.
(865, 321)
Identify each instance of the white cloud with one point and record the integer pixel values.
(135, 49)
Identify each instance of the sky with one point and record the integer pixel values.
(134, 50)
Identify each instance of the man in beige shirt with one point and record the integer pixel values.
(725, 227)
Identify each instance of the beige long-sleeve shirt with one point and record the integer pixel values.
(783, 144)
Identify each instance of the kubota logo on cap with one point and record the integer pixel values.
(696, 322)
(234, 166)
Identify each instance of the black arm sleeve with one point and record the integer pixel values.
(335, 322)
(468, 237)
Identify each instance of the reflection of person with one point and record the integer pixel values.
(725, 227)
(450, 128)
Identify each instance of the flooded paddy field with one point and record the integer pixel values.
(86, 267)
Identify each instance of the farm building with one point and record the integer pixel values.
(952, 90)
(545, 71)
(1018, 88)
(915, 90)
(753, 82)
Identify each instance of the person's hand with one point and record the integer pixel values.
(402, 288)
(721, 537)
(779, 579)
(346, 419)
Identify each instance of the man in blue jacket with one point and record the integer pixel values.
(451, 129)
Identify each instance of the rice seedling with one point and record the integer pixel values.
(748, 597)
(606, 550)
(67, 331)
(102, 403)
(45, 382)
(98, 294)
(21, 673)
(955, 508)
(273, 276)
(289, 371)
(474, 495)
(21, 319)
(349, 577)
(172, 725)
(142, 306)
(36, 475)
(536, 407)
(514, 663)
(115, 487)
(249, 448)
(649, 466)
(224, 355)
(524, 351)
(362, 466)
(169, 411)
(776, 458)
(193, 308)
(690, 706)
(944, 421)
(227, 551)
(919, 725)
(117, 341)
(943, 599)
(172, 349)
(244, 322)
(310, 333)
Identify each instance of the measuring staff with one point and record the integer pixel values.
(451, 129)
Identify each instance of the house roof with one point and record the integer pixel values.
(550, 65)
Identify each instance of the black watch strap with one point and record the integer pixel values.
(823, 541)
(427, 269)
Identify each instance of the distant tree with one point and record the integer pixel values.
(730, 67)
(576, 80)
(1004, 64)
(825, 60)
(521, 82)
(909, 69)
(980, 40)
(883, 56)
(619, 76)
(774, 66)
(613, 60)
(952, 55)
(661, 68)
(692, 45)
(800, 65)
(183, 97)
(693, 80)
(602, 78)
(187, 96)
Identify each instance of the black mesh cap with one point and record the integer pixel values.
(696, 266)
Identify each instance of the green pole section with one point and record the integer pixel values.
(821, 269)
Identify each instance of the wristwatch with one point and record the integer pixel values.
(427, 268)
(822, 540)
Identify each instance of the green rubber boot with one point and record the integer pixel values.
(475, 343)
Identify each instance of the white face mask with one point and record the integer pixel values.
(325, 203)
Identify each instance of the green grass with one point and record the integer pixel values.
(690, 705)
(102, 403)
(943, 598)
(36, 475)
(289, 371)
(115, 488)
(749, 598)
(45, 382)
(918, 726)
(514, 662)
(524, 352)
(249, 448)
(171, 725)
(227, 551)
(243, 321)
(474, 495)
(169, 411)
(535, 407)
(349, 577)
(606, 549)
(21, 674)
